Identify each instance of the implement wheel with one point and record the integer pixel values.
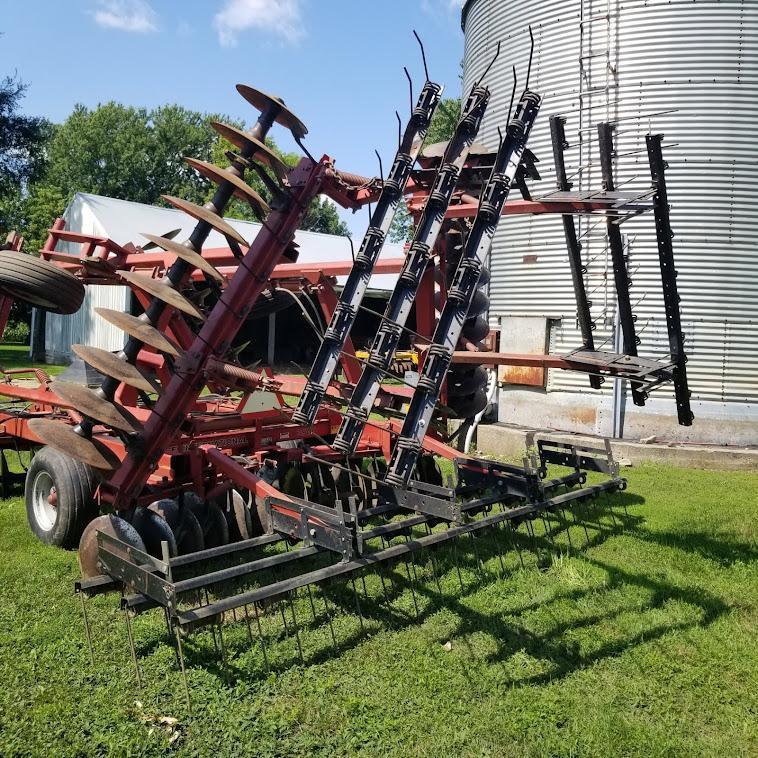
(58, 494)
(39, 283)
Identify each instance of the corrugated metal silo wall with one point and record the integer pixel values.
(688, 70)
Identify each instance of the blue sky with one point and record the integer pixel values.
(337, 63)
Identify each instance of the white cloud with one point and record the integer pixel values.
(126, 15)
(433, 7)
(279, 17)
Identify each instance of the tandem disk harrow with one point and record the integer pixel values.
(182, 499)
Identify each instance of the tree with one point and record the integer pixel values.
(444, 120)
(22, 155)
(441, 129)
(138, 154)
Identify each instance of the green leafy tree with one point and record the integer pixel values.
(22, 154)
(444, 120)
(138, 154)
(440, 129)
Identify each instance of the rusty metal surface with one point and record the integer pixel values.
(112, 525)
(163, 291)
(139, 329)
(183, 252)
(242, 189)
(61, 436)
(263, 101)
(89, 403)
(523, 335)
(203, 214)
(261, 152)
(111, 365)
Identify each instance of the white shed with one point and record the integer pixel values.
(123, 221)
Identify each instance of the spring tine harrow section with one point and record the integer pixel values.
(420, 252)
(616, 245)
(295, 593)
(346, 311)
(578, 269)
(671, 298)
(461, 293)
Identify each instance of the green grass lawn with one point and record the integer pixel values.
(644, 642)
(13, 355)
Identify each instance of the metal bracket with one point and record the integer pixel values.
(313, 524)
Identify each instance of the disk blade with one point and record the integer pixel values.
(163, 291)
(203, 214)
(61, 436)
(111, 365)
(90, 404)
(190, 256)
(139, 329)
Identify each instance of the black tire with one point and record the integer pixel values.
(39, 283)
(61, 524)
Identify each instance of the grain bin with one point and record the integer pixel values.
(684, 68)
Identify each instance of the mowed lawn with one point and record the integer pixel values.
(643, 642)
(14, 355)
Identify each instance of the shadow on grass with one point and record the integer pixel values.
(398, 599)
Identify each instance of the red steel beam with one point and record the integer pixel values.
(216, 335)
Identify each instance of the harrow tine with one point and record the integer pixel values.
(457, 564)
(514, 542)
(223, 647)
(183, 668)
(87, 633)
(499, 549)
(410, 584)
(479, 565)
(310, 598)
(139, 329)
(565, 521)
(186, 254)
(204, 214)
(260, 637)
(113, 366)
(132, 648)
(92, 405)
(328, 615)
(435, 574)
(163, 290)
(242, 189)
(247, 623)
(357, 604)
(295, 626)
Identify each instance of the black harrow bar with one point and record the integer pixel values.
(346, 311)
(573, 246)
(616, 245)
(461, 293)
(671, 298)
(421, 250)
